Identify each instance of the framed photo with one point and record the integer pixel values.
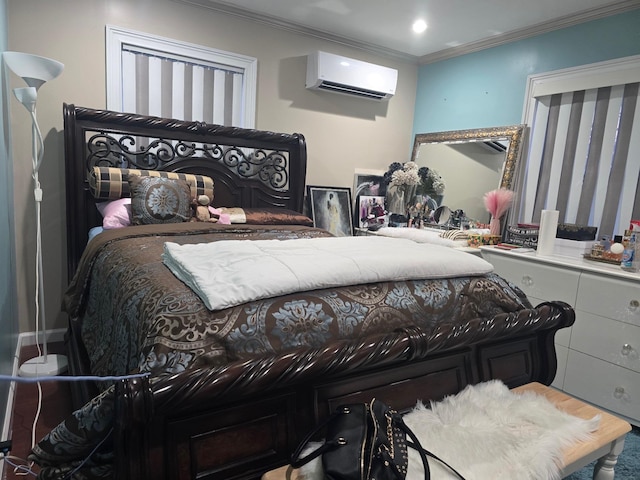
(370, 211)
(368, 182)
(331, 209)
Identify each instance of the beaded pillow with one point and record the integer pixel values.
(159, 200)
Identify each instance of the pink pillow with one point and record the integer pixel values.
(116, 214)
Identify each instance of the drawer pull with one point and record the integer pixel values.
(626, 349)
(618, 392)
(634, 305)
(527, 281)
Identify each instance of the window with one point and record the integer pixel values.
(584, 147)
(158, 76)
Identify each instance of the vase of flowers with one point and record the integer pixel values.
(406, 181)
(431, 185)
(402, 180)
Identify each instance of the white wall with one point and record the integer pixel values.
(342, 133)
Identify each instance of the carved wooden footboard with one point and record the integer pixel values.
(238, 421)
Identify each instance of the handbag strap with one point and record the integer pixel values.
(415, 444)
(297, 461)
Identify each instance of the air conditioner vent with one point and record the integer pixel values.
(360, 92)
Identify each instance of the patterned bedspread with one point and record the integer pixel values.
(136, 316)
(127, 300)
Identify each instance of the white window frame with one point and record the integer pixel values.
(116, 37)
(614, 72)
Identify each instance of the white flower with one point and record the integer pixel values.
(408, 175)
(436, 182)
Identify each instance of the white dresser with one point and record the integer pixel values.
(599, 357)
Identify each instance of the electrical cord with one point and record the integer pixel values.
(95, 449)
(71, 378)
(18, 469)
(25, 469)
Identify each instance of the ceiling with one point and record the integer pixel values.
(455, 27)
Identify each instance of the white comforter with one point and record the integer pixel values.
(231, 272)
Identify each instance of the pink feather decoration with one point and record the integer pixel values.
(497, 202)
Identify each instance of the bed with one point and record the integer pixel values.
(229, 392)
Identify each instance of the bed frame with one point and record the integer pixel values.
(238, 421)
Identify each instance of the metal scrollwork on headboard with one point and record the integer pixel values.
(270, 167)
(250, 168)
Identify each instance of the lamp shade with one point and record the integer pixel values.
(33, 69)
(27, 96)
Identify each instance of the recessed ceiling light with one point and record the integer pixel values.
(419, 26)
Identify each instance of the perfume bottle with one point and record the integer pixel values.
(630, 261)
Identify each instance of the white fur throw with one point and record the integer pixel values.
(487, 432)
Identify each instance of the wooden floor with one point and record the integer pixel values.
(56, 406)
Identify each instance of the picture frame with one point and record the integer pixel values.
(370, 211)
(366, 182)
(330, 209)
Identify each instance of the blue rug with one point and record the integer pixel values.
(628, 466)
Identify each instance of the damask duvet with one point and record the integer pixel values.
(135, 316)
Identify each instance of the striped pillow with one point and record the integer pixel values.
(108, 183)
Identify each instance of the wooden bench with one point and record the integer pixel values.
(605, 446)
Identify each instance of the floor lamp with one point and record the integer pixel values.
(35, 71)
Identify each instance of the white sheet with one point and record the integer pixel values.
(231, 272)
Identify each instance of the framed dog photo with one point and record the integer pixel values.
(331, 209)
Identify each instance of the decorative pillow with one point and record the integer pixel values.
(267, 216)
(159, 200)
(116, 213)
(108, 183)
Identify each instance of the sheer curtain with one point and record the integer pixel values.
(584, 147)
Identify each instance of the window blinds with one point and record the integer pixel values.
(173, 87)
(584, 158)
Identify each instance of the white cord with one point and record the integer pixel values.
(24, 468)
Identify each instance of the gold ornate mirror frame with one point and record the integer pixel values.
(513, 133)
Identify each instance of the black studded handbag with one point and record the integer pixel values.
(364, 441)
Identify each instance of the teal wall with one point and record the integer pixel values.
(487, 88)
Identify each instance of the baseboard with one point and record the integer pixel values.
(8, 415)
(24, 339)
(29, 338)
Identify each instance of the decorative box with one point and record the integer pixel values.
(571, 231)
(572, 248)
(525, 235)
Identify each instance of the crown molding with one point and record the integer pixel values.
(300, 29)
(557, 24)
(515, 35)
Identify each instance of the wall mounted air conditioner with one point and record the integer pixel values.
(333, 73)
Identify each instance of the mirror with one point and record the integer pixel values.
(470, 163)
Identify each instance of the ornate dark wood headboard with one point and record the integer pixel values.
(250, 168)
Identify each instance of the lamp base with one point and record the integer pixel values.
(37, 367)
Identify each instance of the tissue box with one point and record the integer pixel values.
(572, 248)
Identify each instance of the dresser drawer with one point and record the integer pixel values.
(610, 297)
(610, 340)
(601, 383)
(537, 280)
